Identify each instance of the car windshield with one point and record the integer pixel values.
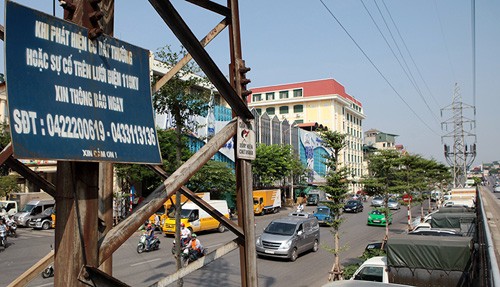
(280, 228)
(392, 200)
(28, 208)
(322, 210)
(185, 213)
(352, 202)
(378, 198)
(377, 212)
(255, 201)
(313, 196)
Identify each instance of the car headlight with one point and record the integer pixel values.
(259, 242)
(38, 220)
(286, 245)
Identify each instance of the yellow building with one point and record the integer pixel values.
(315, 103)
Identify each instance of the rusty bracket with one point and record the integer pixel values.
(92, 276)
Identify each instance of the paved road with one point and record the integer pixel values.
(310, 269)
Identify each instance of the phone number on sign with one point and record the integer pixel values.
(78, 128)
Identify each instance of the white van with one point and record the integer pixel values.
(32, 208)
(196, 219)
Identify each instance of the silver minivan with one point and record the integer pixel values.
(289, 236)
(32, 208)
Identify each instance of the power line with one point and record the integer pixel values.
(444, 41)
(409, 53)
(376, 68)
(407, 71)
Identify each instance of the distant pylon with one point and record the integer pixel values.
(463, 152)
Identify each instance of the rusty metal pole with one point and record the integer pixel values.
(105, 212)
(76, 228)
(248, 255)
(76, 235)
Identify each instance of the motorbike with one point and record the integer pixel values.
(11, 227)
(189, 255)
(143, 243)
(48, 272)
(184, 242)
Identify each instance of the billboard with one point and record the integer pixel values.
(72, 98)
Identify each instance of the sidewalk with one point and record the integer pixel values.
(492, 210)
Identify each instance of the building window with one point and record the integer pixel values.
(257, 97)
(297, 93)
(270, 111)
(298, 108)
(283, 94)
(284, 110)
(269, 96)
(299, 121)
(259, 111)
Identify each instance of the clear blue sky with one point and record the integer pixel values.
(287, 41)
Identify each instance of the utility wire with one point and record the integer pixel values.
(409, 53)
(409, 74)
(444, 41)
(473, 29)
(376, 68)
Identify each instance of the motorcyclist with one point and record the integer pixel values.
(150, 234)
(3, 228)
(185, 234)
(195, 246)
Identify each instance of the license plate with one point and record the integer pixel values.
(376, 221)
(170, 230)
(269, 251)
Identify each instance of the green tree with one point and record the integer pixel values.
(385, 177)
(272, 163)
(8, 184)
(182, 97)
(215, 177)
(337, 187)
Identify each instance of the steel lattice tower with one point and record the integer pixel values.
(461, 156)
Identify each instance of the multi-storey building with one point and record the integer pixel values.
(315, 103)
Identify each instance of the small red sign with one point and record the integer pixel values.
(407, 198)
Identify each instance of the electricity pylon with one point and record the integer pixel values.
(463, 152)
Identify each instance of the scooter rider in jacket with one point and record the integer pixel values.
(195, 246)
(150, 234)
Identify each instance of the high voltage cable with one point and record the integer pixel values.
(409, 53)
(444, 41)
(376, 68)
(407, 71)
(473, 28)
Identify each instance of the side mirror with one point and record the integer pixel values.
(299, 233)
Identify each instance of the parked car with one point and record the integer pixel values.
(378, 201)
(375, 246)
(393, 204)
(435, 232)
(377, 217)
(353, 206)
(324, 215)
(289, 236)
(496, 188)
(42, 220)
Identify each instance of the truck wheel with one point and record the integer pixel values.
(46, 225)
(294, 254)
(221, 228)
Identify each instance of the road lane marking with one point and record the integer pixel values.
(48, 284)
(149, 261)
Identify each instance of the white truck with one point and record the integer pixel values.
(422, 261)
(8, 207)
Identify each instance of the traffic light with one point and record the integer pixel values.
(243, 80)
